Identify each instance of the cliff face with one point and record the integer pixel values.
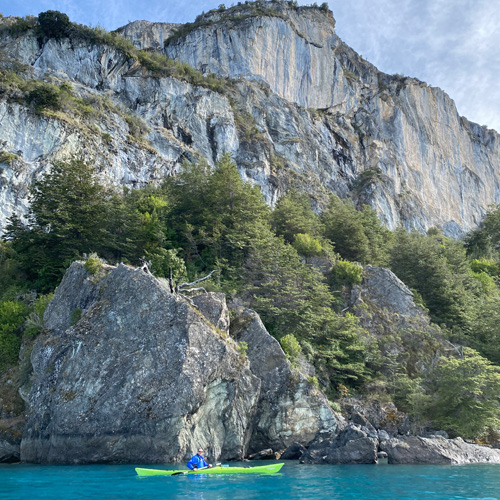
(433, 167)
(147, 35)
(301, 108)
(128, 372)
(292, 50)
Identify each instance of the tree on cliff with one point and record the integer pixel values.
(357, 235)
(465, 395)
(484, 242)
(67, 217)
(53, 24)
(437, 268)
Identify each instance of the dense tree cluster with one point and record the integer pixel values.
(294, 266)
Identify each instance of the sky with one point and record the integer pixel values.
(451, 44)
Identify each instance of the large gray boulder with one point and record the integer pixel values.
(353, 445)
(290, 408)
(139, 377)
(382, 290)
(129, 372)
(436, 450)
(385, 305)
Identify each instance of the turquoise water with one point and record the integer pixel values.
(366, 482)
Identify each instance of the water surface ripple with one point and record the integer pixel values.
(387, 482)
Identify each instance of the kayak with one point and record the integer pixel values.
(260, 469)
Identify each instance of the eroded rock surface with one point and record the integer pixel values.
(128, 372)
(289, 406)
(141, 376)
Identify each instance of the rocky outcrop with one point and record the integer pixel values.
(289, 404)
(385, 290)
(362, 445)
(436, 450)
(128, 372)
(244, 42)
(140, 377)
(375, 416)
(293, 452)
(353, 445)
(386, 308)
(148, 36)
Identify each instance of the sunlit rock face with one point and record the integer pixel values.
(299, 108)
(431, 167)
(147, 35)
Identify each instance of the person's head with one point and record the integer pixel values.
(200, 452)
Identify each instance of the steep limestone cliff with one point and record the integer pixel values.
(430, 166)
(299, 108)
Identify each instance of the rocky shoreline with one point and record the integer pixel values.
(138, 374)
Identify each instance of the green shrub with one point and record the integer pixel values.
(106, 137)
(346, 272)
(163, 260)
(19, 26)
(137, 127)
(306, 245)
(93, 264)
(487, 266)
(12, 316)
(290, 346)
(242, 349)
(76, 316)
(335, 407)
(9, 349)
(485, 281)
(44, 96)
(6, 157)
(465, 396)
(34, 322)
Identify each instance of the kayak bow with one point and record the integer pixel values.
(260, 469)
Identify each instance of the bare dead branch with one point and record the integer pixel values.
(182, 285)
(188, 299)
(459, 349)
(194, 289)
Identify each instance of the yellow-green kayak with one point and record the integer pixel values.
(260, 469)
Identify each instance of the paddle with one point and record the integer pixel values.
(184, 472)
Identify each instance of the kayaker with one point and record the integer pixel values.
(197, 461)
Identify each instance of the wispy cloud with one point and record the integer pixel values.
(452, 44)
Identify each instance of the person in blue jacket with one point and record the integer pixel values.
(197, 461)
